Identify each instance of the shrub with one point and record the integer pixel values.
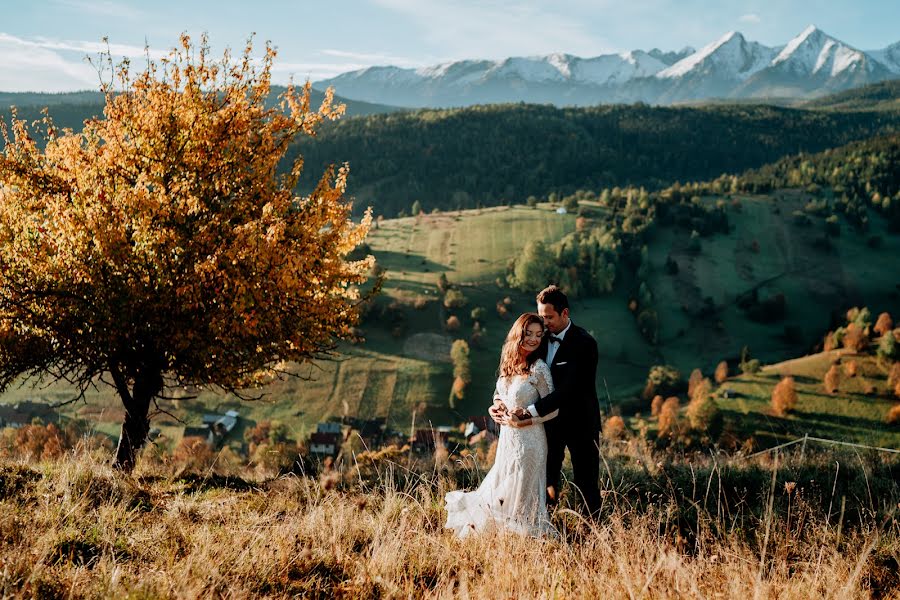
(478, 314)
(721, 374)
(703, 413)
(454, 299)
(656, 405)
(452, 323)
(668, 418)
(614, 428)
(851, 368)
(693, 381)
(893, 416)
(750, 367)
(832, 380)
(663, 379)
(888, 347)
(784, 397)
(855, 339)
(884, 324)
(893, 376)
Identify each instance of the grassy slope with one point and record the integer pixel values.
(390, 376)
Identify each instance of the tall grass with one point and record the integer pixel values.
(671, 529)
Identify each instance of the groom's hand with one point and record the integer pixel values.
(498, 411)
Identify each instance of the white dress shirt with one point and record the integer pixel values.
(552, 347)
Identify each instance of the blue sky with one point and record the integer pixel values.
(43, 42)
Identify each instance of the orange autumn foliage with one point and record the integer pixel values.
(160, 246)
(784, 397)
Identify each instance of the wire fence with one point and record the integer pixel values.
(808, 438)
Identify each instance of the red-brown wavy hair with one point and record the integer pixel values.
(511, 360)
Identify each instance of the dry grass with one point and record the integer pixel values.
(77, 529)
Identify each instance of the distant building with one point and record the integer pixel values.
(12, 417)
(25, 412)
(324, 444)
(329, 427)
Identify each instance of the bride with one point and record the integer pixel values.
(513, 494)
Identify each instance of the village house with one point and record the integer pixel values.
(25, 412)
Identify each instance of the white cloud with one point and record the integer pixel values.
(28, 67)
(498, 28)
(751, 18)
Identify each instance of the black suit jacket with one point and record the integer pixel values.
(574, 371)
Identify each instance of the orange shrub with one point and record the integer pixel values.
(668, 418)
(884, 324)
(695, 378)
(855, 339)
(893, 416)
(721, 372)
(893, 375)
(453, 323)
(832, 380)
(784, 396)
(614, 428)
(851, 368)
(656, 405)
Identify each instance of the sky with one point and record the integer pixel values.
(43, 43)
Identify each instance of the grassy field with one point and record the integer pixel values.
(714, 528)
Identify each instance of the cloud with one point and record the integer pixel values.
(28, 67)
(751, 18)
(497, 28)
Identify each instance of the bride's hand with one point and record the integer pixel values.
(519, 418)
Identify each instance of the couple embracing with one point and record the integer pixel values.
(545, 401)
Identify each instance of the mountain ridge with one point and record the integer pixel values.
(811, 64)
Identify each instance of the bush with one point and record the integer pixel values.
(656, 405)
(454, 299)
(832, 380)
(784, 397)
(851, 368)
(668, 418)
(721, 374)
(888, 347)
(703, 413)
(664, 380)
(693, 381)
(452, 323)
(614, 428)
(750, 367)
(884, 324)
(893, 416)
(855, 338)
(893, 378)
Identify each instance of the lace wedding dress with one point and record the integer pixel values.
(513, 493)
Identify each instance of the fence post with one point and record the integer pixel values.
(803, 446)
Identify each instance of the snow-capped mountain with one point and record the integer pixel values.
(889, 57)
(813, 63)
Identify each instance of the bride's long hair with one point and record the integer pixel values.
(511, 360)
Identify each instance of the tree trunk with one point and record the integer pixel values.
(136, 425)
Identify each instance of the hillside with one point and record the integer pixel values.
(878, 96)
(491, 155)
(71, 109)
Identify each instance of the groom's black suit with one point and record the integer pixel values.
(577, 426)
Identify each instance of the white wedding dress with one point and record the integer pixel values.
(513, 493)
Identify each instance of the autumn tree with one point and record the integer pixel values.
(784, 396)
(462, 372)
(721, 374)
(668, 418)
(165, 246)
(884, 324)
(832, 380)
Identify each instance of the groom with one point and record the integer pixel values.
(572, 356)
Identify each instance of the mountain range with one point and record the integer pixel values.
(732, 67)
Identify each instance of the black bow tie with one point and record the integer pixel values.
(555, 338)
